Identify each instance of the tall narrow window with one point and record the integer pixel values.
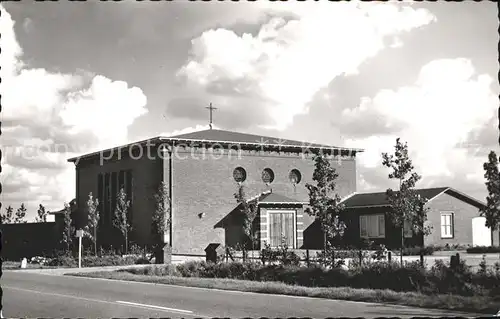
(114, 193)
(99, 195)
(408, 231)
(129, 191)
(121, 180)
(282, 229)
(447, 225)
(107, 199)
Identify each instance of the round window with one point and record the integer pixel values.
(239, 174)
(295, 176)
(268, 175)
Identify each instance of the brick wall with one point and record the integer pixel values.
(463, 214)
(147, 174)
(206, 185)
(29, 240)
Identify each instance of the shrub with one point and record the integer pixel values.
(153, 270)
(63, 261)
(483, 250)
(416, 251)
(142, 261)
(441, 278)
(135, 249)
(268, 255)
(282, 255)
(192, 268)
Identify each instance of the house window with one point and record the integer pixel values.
(267, 176)
(239, 174)
(446, 225)
(295, 176)
(372, 226)
(282, 228)
(408, 231)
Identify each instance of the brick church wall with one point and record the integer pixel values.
(203, 190)
(146, 173)
(206, 185)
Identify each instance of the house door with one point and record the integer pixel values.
(481, 235)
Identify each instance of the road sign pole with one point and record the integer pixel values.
(79, 252)
(79, 234)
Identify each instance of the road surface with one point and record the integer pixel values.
(35, 295)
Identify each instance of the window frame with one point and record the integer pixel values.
(367, 216)
(452, 224)
(282, 211)
(408, 232)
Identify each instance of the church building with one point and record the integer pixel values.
(203, 171)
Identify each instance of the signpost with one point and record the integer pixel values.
(79, 234)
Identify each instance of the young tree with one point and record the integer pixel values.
(42, 215)
(492, 210)
(248, 211)
(20, 214)
(7, 218)
(324, 200)
(407, 207)
(161, 216)
(161, 219)
(68, 229)
(121, 220)
(92, 220)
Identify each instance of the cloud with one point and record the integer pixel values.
(289, 60)
(48, 117)
(438, 116)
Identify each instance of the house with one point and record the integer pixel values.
(453, 216)
(203, 171)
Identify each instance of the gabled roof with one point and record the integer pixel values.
(273, 198)
(379, 199)
(224, 137)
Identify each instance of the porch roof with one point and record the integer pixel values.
(278, 199)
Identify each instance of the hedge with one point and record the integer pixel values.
(376, 275)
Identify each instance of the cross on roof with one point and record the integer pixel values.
(211, 108)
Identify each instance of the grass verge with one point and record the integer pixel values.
(475, 304)
(10, 265)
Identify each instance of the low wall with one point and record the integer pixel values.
(29, 240)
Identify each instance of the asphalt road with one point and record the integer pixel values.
(41, 295)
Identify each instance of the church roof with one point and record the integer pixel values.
(228, 138)
(244, 138)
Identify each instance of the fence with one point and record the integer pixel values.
(362, 256)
